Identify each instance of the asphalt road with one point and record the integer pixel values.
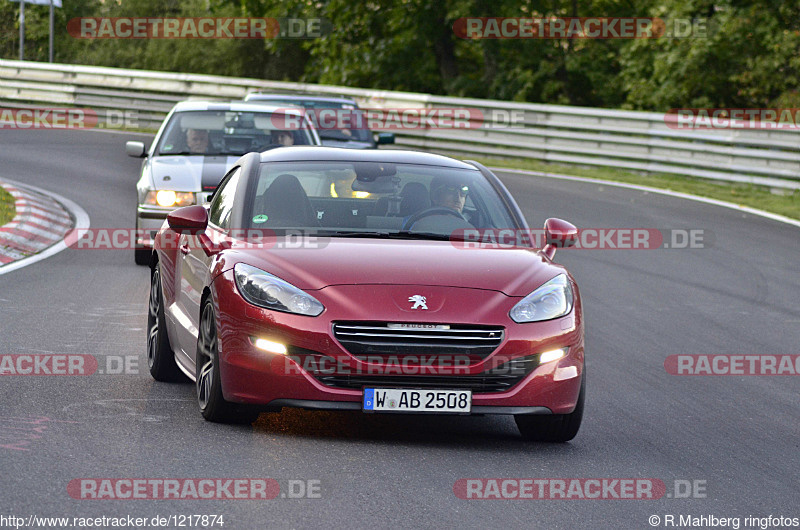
(740, 435)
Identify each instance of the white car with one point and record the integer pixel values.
(194, 148)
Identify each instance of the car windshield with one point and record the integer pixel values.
(330, 118)
(232, 133)
(371, 199)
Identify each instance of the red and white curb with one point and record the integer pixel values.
(38, 229)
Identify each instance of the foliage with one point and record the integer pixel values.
(751, 57)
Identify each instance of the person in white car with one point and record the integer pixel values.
(197, 140)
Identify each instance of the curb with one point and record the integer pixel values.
(38, 229)
(39, 223)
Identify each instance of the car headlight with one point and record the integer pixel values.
(551, 300)
(169, 198)
(263, 289)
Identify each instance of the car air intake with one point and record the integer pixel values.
(373, 340)
(498, 379)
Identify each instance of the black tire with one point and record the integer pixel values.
(142, 256)
(212, 404)
(554, 427)
(160, 357)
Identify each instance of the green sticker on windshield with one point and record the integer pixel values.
(260, 218)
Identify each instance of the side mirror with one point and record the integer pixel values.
(385, 138)
(135, 149)
(192, 219)
(559, 234)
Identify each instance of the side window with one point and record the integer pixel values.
(222, 205)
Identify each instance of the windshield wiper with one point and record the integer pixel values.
(353, 233)
(428, 236)
(424, 236)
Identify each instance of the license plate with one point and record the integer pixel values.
(416, 400)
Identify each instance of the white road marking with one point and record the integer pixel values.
(731, 205)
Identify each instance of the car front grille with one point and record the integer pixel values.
(392, 344)
(375, 340)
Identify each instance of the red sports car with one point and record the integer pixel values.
(336, 279)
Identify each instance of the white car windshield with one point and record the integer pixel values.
(232, 133)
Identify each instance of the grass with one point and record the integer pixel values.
(782, 202)
(7, 209)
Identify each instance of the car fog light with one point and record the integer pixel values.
(269, 346)
(552, 355)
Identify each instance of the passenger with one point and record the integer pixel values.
(283, 138)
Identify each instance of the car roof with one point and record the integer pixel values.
(300, 97)
(339, 154)
(233, 106)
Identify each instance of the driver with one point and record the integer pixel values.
(448, 193)
(197, 140)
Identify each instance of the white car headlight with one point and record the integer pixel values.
(169, 198)
(551, 300)
(263, 289)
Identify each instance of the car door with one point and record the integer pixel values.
(192, 269)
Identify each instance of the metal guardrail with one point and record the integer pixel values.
(638, 141)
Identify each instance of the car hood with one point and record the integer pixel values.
(190, 172)
(341, 261)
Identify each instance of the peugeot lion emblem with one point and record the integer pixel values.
(418, 301)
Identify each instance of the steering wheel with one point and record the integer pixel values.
(436, 210)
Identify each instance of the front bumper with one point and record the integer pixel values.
(148, 222)
(356, 405)
(253, 376)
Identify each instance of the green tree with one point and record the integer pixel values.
(751, 58)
